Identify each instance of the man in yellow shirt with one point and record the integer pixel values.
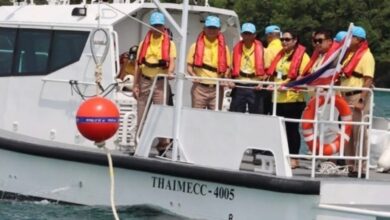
(358, 72)
(272, 33)
(156, 55)
(208, 57)
(248, 66)
(322, 41)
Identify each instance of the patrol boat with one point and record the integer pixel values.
(54, 56)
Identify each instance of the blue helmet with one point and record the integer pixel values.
(358, 31)
(340, 36)
(248, 27)
(212, 21)
(157, 18)
(272, 29)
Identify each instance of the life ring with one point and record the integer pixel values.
(308, 131)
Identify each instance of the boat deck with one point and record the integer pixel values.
(304, 170)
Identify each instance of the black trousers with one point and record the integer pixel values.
(292, 110)
(266, 105)
(243, 97)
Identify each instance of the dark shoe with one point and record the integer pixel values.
(354, 174)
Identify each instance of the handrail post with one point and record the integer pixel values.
(180, 81)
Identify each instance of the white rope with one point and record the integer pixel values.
(98, 77)
(112, 184)
(99, 62)
(98, 80)
(112, 180)
(329, 168)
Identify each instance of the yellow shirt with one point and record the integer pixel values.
(366, 66)
(210, 58)
(153, 55)
(282, 70)
(317, 63)
(248, 62)
(271, 51)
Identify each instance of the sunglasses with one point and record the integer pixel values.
(318, 40)
(286, 39)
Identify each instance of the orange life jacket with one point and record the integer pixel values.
(356, 57)
(165, 49)
(316, 54)
(295, 62)
(199, 50)
(259, 60)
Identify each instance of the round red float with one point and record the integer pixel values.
(97, 119)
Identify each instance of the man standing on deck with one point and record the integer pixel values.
(156, 55)
(274, 46)
(272, 33)
(358, 72)
(323, 48)
(248, 65)
(208, 57)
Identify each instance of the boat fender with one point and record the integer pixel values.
(384, 160)
(308, 131)
(97, 119)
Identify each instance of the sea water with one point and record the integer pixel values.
(44, 210)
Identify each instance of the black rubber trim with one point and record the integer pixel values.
(235, 178)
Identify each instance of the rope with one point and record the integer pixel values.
(112, 184)
(98, 78)
(112, 180)
(329, 168)
(99, 62)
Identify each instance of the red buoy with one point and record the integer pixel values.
(97, 119)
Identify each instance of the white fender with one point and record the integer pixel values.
(129, 82)
(384, 160)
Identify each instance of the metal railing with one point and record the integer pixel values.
(149, 102)
(317, 122)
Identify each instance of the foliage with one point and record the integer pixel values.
(305, 16)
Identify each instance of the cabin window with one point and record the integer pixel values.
(7, 45)
(66, 48)
(32, 52)
(26, 52)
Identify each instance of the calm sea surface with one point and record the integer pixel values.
(12, 210)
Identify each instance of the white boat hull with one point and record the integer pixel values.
(35, 177)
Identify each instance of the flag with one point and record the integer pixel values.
(322, 76)
(328, 71)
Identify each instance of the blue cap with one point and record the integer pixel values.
(272, 29)
(340, 36)
(358, 31)
(248, 27)
(212, 21)
(157, 18)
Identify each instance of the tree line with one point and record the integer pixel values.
(305, 16)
